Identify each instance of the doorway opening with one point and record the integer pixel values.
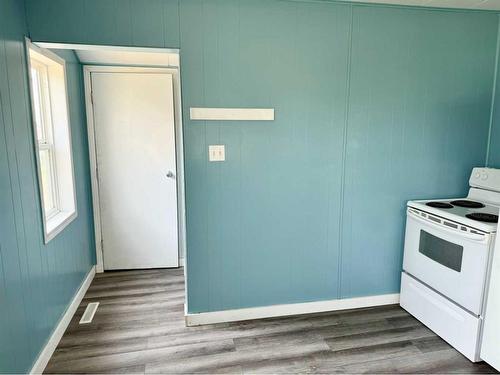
(134, 125)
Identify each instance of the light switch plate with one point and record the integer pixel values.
(216, 153)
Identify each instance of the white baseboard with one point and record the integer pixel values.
(50, 347)
(289, 309)
(99, 268)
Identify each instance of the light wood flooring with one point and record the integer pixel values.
(139, 328)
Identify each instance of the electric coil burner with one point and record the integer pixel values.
(467, 204)
(439, 205)
(480, 216)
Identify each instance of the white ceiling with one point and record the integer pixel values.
(461, 4)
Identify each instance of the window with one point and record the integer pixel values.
(52, 134)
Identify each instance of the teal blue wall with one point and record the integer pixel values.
(145, 23)
(494, 141)
(263, 227)
(37, 281)
(420, 95)
(374, 106)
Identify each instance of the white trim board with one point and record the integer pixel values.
(128, 58)
(100, 47)
(51, 345)
(232, 114)
(289, 309)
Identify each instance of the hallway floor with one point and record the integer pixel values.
(139, 328)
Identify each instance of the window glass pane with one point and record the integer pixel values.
(51, 134)
(37, 106)
(446, 253)
(47, 175)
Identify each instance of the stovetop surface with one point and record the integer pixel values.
(459, 214)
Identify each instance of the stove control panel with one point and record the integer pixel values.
(485, 178)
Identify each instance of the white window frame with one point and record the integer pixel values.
(56, 139)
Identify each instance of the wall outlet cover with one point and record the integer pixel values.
(216, 153)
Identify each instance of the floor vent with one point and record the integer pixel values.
(89, 313)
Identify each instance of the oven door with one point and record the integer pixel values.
(449, 260)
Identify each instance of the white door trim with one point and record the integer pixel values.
(87, 70)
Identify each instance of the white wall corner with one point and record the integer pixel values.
(57, 334)
(289, 309)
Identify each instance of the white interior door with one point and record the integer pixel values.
(135, 146)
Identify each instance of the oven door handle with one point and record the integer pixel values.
(470, 236)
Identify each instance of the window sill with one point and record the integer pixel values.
(57, 223)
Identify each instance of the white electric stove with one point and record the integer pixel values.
(447, 257)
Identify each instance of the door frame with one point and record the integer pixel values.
(179, 152)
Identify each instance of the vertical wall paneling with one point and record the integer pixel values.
(8, 322)
(258, 231)
(267, 218)
(420, 97)
(493, 153)
(374, 105)
(37, 281)
(14, 250)
(151, 23)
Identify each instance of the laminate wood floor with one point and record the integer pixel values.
(139, 328)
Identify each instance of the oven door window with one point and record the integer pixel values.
(445, 253)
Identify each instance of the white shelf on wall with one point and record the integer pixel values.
(232, 114)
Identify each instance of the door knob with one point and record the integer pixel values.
(170, 174)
